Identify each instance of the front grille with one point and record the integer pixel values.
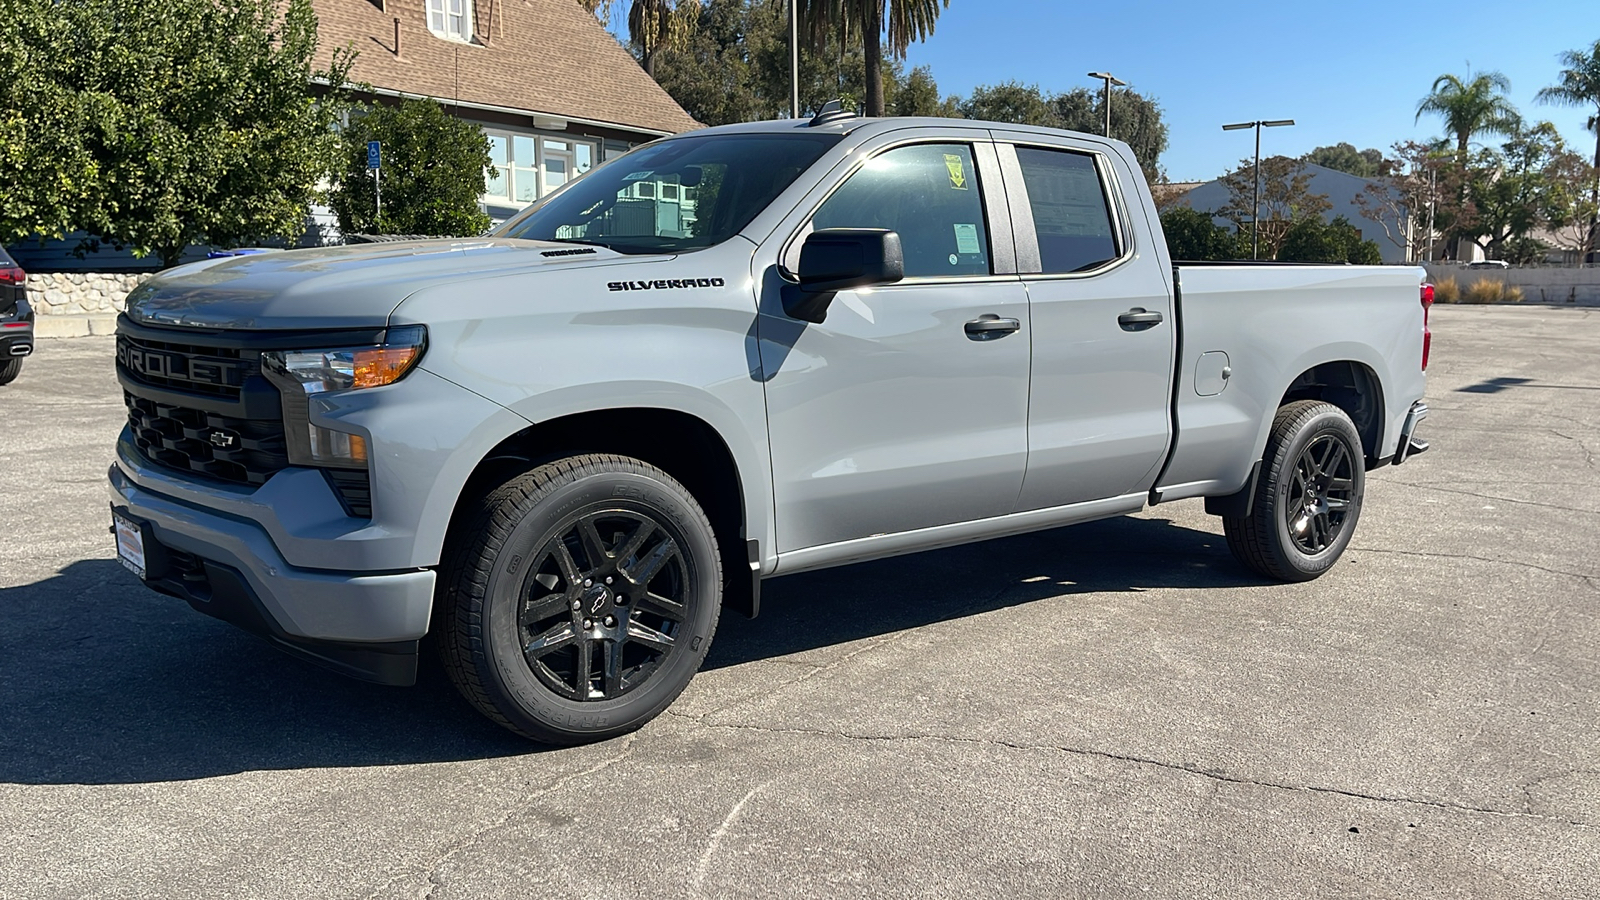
(244, 451)
(213, 371)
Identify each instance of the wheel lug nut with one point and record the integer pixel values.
(577, 604)
(608, 580)
(588, 623)
(611, 621)
(588, 582)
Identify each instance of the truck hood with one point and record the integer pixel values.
(337, 287)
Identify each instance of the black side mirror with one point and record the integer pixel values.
(842, 259)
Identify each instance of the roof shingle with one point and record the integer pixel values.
(543, 56)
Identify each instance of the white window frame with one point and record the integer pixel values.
(442, 9)
(538, 138)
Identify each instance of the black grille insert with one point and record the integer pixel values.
(214, 371)
(355, 490)
(243, 451)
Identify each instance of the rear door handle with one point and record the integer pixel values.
(1138, 319)
(989, 326)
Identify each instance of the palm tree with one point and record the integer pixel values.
(653, 24)
(1475, 106)
(1580, 86)
(904, 21)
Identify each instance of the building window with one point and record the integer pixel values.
(451, 19)
(530, 166)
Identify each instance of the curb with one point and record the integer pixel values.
(50, 326)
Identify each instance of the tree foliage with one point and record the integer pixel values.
(1310, 239)
(1135, 118)
(1580, 86)
(876, 26)
(433, 172)
(1286, 197)
(1470, 106)
(653, 25)
(1192, 236)
(155, 124)
(1344, 157)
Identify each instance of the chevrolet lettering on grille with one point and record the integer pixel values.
(175, 366)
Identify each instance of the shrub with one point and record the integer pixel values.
(1311, 240)
(1487, 290)
(1513, 294)
(1193, 237)
(433, 172)
(1446, 290)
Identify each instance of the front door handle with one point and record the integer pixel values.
(1138, 319)
(989, 326)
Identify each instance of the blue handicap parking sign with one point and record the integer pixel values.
(374, 154)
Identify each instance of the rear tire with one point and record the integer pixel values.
(580, 600)
(1308, 498)
(9, 370)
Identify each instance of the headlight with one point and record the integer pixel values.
(301, 373)
(347, 368)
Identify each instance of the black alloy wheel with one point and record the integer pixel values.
(1308, 496)
(580, 599)
(1323, 484)
(603, 605)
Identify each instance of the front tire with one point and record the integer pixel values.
(1308, 498)
(580, 600)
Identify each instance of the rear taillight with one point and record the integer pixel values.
(12, 275)
(1427, 336)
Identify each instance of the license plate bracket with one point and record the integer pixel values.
(137, 549)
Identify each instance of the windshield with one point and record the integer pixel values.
(673, 195)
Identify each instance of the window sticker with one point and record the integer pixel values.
(958, 171)
(638, 176)
(955, 260)
(967, 238)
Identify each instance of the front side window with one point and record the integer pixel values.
(636, 204)
(451, 18)
(929, 193)
(1071, 215)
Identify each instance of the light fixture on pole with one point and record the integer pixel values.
(1109, 79)
(1255, 211)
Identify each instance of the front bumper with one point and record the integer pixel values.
(365, 624)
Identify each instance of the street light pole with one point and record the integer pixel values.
(1255, 211)
(794, 59)
(1109, 79)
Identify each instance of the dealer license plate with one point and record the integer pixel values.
(130, 544)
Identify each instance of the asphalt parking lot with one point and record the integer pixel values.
(1111, 710)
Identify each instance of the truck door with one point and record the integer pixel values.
(900, 411)
(1103, 332)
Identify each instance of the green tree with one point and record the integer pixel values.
(653, 25)
(1475, 105)
(433, 173)
(877, 25)
(1344, 157)
(1135, 118)
(1192, 236)
(918, 95)
(1286, 197)
(1010, 101)
(1580, 86)
(1309, 239)
(1520, 187)
(178, 121)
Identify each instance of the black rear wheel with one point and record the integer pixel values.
(1308, 498)
(10, 369)
(582, 599)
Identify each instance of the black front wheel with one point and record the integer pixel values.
(581, 600)
(1308, 497)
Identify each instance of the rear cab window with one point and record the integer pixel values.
(1071, 212)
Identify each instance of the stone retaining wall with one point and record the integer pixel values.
(81, 293)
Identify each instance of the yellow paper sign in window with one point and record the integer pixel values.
(958, 171)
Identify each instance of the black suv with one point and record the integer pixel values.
(16, 318)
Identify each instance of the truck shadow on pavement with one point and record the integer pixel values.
(105, 682)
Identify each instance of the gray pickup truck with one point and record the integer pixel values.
(558, 451)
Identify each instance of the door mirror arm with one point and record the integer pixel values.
(841, 259)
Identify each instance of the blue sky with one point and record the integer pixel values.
(1352, 71)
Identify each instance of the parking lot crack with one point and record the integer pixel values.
(1591, 581)
(1482, 496)
(1210, 774)
(429, 873)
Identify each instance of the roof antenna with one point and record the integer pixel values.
(832, 111)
